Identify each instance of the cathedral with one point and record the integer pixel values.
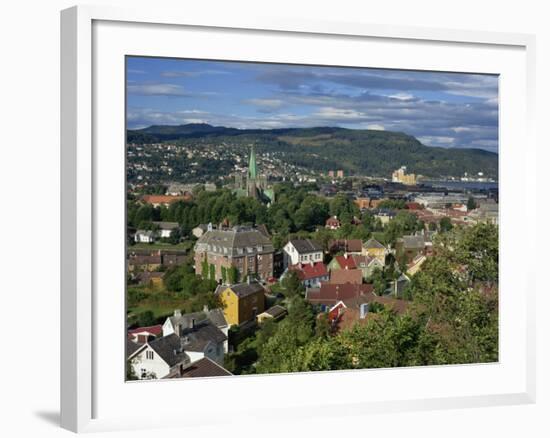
(254, 186)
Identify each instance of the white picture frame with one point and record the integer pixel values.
(83, 388)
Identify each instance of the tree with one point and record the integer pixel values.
(445, 224)
(233, 275)
(292, 284)
(471, 205)
(145, 319)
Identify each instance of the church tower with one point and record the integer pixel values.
(251, 186)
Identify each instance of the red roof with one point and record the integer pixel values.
(165, 199)
(330, 294)
(307, 271)
(342, 276)
(414, 206)
(347, 245)
(153, 329)
(346, 262)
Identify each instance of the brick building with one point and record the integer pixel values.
(244, 248)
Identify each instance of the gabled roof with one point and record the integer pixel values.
(167, 225)
(373, 243)
(347, 245)
(153, 329)
(276, 311)
(132, 347)
(243, 289)
(307, 271)
(346, 262)
(343, 276)
(330, 294)
(414, 242)
(362, 261)
(229, 240)
(204, 367)
(196, 338)
(170, 349)
(306, 245)
(216, 316)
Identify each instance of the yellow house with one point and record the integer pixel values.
(242, 302)
(373, 248)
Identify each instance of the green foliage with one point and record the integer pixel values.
(367, 151)
(145, 319)
(292, 284)
(393, 204)
(445, 224)
(471, 205)
(233, 275)
(183, 280)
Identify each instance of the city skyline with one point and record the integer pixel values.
(454, 110)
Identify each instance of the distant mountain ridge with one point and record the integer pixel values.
(368, 152)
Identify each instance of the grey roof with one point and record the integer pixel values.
(145, 232)
(170, 349)
(306, 245)
(373, 243)
(198, 337)
(216, 316)
(132, 347)
(228, 241)
(414, 242)
(244, 289)
(276, 311)
(167, 225)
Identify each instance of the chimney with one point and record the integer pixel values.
(177, 312)
(205, 308)
(363, 310)
(192, 323)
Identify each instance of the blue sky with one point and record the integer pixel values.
(441, 109)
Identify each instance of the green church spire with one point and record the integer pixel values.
(252, 164)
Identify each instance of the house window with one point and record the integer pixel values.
(149, 355)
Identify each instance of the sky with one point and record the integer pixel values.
(452, 110)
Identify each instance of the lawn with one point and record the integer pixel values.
(159, 302)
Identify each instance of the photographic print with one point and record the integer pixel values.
(290, 218)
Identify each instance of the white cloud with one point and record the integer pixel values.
(156, 89)
(401, 96)
(376, 127)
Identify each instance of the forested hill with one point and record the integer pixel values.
(366, 152)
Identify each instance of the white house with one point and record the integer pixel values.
(302, 251)
(200, 229)
(166, 229)
(158, 358)
(166, 355)
(145, 236)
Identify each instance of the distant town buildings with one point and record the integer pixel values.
(400, 176)
(336, 173)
